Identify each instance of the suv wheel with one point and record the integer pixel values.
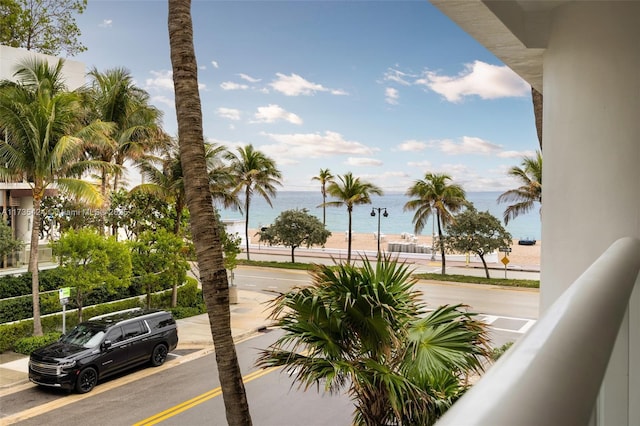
(159, 355)
(87, 380)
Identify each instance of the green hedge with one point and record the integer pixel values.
(21, 307)
(190, 303)
(11, 333)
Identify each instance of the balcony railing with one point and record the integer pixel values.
(554, 374)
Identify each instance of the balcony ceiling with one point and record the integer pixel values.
(515, 31)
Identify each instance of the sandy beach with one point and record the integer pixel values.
(520, 255)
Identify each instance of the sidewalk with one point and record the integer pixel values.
(247, 317)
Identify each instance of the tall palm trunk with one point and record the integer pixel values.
(349, 210)
(536, 97)
(204, 223)
(440, 243)
(324, 207)
(38, 193)
(247, 201)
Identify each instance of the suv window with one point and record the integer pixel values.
(160, 321)
(133, 329)
(115, 335)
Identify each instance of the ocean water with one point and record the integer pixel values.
(398, 221)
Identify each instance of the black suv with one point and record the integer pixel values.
(102, 346)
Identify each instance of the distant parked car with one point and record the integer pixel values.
(103, 346)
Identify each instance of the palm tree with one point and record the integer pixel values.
(529, 193)
(165, 178)
(205, 228)
(113, 97)
(364, 329)
(324, 178)
(433, 195)
(349, 192)
(254, 172)
(43, 144)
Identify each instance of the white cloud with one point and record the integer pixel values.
(420, 164)
(162, 80)
(468, 145)
(159, 99)
(412, 145)
(480, 79)
(294, 85)
(353, 161)
(516, 154)
(313, 145)
(230, 85)
(399, 77)
(106, 23)
(215, 64)
(273, 113)
(391, 96)
(230, 113)
(249, 78)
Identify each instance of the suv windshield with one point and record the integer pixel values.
(84, 335)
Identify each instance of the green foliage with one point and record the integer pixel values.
(62, 214)
(480, 233)
(295, 228)
(189, 296)
(8, 244)
(350, 191)
(479, 280)
(91, 261)
(496, 353)
(137, 212)
(365, 329)
(159, 258)
(435, 197)
(254, 173)
(529, 193)
(44, 26)
(26, 345)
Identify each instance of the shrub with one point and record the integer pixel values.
(498, 352)
(26, 345)
(187, 311)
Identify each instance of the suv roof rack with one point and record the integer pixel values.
(117, 313)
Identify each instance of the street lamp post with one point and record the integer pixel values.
(385, 214)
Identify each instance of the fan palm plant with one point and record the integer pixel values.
(435, 196)
(529, 193)
(350, 191)
(363, 330)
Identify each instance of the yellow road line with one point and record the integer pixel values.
(177, 409)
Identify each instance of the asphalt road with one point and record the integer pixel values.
(184, 391)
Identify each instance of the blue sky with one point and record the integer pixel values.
(387, 90)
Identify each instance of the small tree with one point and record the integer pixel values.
(231, 249)
(476, 232)
(45, 26)
(90, 261)
(293, 228)
(158, 257)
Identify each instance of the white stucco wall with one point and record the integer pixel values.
(591, 137)
(74, 71)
